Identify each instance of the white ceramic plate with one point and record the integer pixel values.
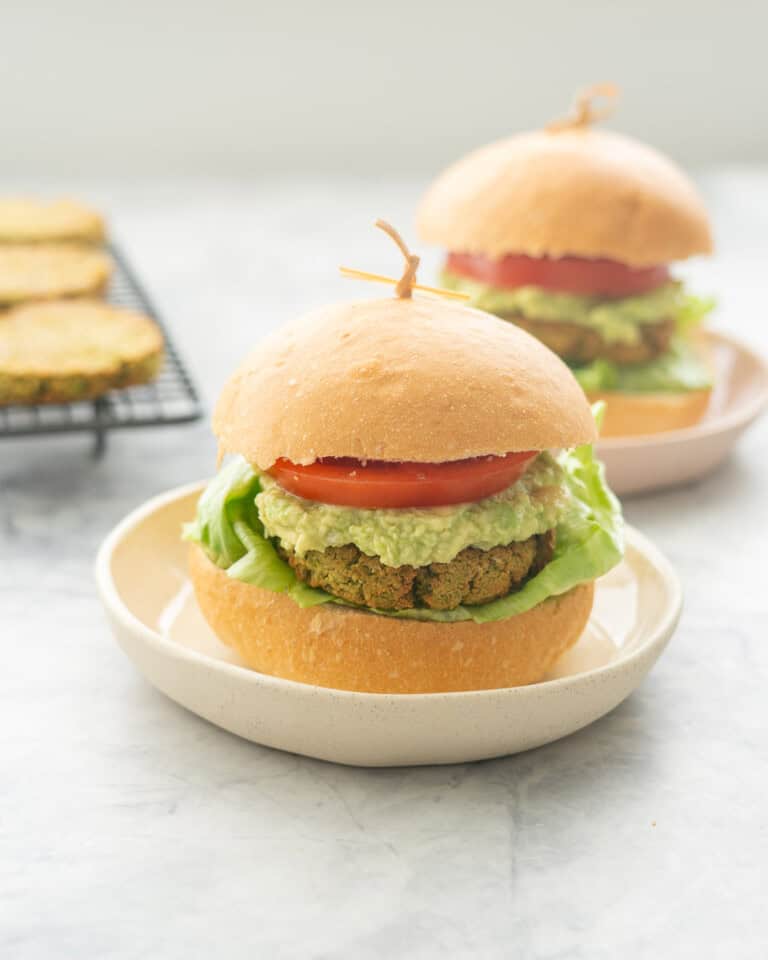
(142, 579)
(641, 464)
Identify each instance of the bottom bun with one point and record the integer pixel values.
(334, 646)
(635, 414)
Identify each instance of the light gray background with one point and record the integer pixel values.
(132, 830)
(349, 86)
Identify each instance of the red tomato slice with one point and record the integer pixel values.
(379, 484)
(602, 278)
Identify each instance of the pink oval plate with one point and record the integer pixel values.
(641, 464)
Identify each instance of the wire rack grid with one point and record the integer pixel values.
(171, 398)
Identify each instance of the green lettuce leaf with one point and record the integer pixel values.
(227, 499)
(598, 375)
(677, 370)
(692, 312)
(228, 528)
(589, 542)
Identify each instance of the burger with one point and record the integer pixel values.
(408, 504)
(569, 233)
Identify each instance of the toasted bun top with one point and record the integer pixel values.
(580, 192)
(399, 379)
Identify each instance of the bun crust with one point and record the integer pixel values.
(639, 414)
(330, 646)
(405, 380)
(581, 192)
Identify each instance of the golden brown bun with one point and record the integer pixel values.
(638, 414)
(583, 192)
(331, 646)
(406, 380)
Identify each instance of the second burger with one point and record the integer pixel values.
(568, 232)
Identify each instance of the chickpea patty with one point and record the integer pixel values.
(472, 577)
(580, 344)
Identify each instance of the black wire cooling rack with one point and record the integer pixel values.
(171, 398)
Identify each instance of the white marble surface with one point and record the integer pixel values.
(130, 829)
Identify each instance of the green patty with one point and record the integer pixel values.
(473, 577)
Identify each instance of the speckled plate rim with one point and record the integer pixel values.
(652, 646)
(711, 425)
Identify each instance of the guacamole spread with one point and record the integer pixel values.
(418, 536)
(616, 320)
